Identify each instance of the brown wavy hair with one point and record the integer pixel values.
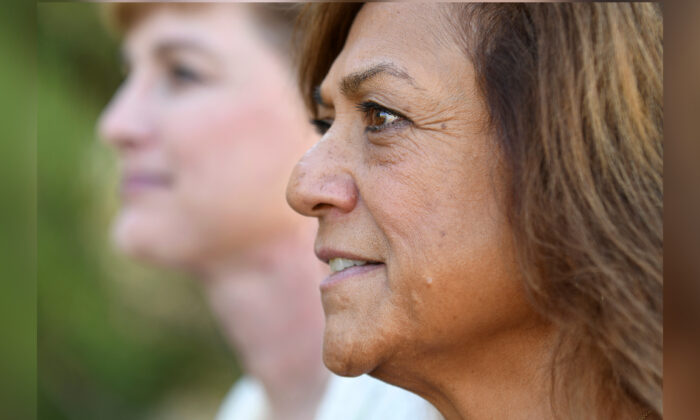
(574, 94)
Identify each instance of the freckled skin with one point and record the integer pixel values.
(426, 199)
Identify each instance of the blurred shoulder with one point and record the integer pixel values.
(245, 401)
(366, 398)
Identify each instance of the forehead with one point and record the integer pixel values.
(415, 37)
(217, 26)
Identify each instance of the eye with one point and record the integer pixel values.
(379, 118)
(180, 75)
(322, 125)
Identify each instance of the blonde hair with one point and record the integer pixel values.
(574, 94)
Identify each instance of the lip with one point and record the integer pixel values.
(354, 271)
(134, 183)
(326, 254)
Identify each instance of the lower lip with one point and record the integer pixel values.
(131, 186)
(354, 271)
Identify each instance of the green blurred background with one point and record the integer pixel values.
(115, 340)
(17, 211)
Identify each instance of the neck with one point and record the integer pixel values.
(508, 376)
(267, 303)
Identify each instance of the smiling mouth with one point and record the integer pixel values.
(344, 265)
(345, 268)
(340, 264)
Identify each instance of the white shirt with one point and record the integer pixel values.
(360, 398)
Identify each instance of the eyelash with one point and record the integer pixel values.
(370, 110)
(322, 125)
(183, 75)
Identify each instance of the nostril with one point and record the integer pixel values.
(320, 206)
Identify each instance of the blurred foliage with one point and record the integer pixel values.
(115, 341)
(17, 212)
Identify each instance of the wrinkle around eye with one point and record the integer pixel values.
(395, 148)
(455, 115)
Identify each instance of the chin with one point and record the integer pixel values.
(147, 242)
(348, 352)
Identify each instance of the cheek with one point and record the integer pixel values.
(452, 266)
(200, 128)
(440, 195)
(234, 132)
(232, 160)
(420, 205)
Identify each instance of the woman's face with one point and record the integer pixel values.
(408, 179)
(207, 126)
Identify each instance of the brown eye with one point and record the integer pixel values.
(378, 118)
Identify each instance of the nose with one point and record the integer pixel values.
(321, 183)
(125, 122)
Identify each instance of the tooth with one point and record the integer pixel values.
(336, 264)
(339, 264)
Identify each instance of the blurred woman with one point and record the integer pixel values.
(489, 195)
(207, 127)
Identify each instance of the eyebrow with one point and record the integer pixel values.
(352, 83)
(168, 47)
(164, 49)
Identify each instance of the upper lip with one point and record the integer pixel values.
(326, 254)
(152, 176)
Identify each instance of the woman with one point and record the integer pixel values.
(489, 197)
(207, 128)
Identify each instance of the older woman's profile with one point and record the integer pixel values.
(488, 189)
